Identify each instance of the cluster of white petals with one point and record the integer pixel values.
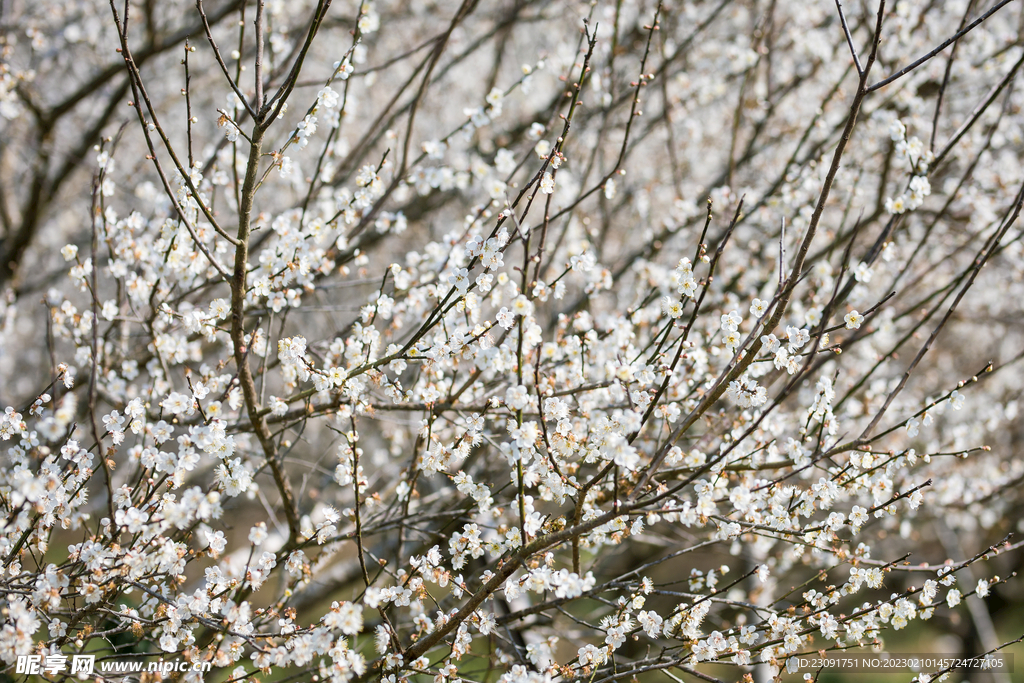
(365, 353)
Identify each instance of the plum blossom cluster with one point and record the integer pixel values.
(383, 360)
(910, 152)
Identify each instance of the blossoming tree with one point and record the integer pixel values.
(510, 341)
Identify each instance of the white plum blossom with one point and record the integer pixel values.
(370, 354)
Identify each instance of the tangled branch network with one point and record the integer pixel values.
(508, 341)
